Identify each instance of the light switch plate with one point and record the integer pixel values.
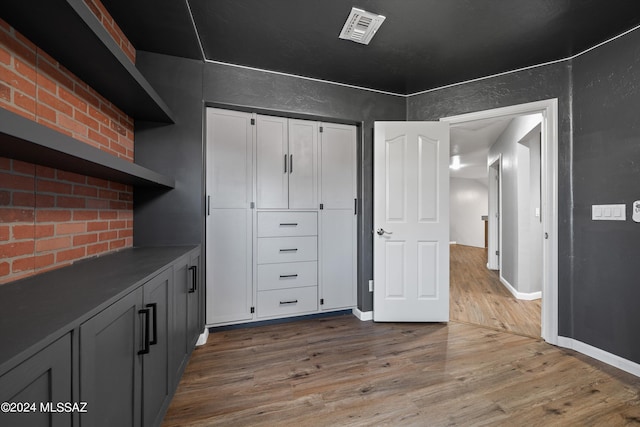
(636, 211)
(609, 212)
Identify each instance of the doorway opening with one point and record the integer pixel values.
(542, 206)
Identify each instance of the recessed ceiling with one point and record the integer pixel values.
(423, 44)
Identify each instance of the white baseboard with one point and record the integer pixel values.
(601, 355)
(363, 315)
(453, 243)
(520, 295)
(202, 339)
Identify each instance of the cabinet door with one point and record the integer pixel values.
(155, 367)
(229, 158)
(194, 327)
(337, 258)
(338, 166)
(110, 367)
(303, 164)
(229, 265)
(272, 163)
(179, 351)
(44, 377)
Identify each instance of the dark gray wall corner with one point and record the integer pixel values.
(547, 82)
(606, 96)
(278, 93)
(173, 217)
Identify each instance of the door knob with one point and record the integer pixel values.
(382, 231)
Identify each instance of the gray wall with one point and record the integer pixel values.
(606, 284)
(172, 217)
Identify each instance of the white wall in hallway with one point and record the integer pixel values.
(468, 203)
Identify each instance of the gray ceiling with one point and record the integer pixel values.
(423, 44)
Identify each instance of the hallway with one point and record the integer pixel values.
(477, 296)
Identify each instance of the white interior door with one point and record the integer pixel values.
(303, 164)
(411, 222)
(272, 163)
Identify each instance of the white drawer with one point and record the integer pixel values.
(281, 302)
(287, 275)
(281, 224)
(287, 249)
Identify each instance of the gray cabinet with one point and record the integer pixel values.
(44, 377)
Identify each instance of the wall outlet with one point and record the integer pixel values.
(370, 285)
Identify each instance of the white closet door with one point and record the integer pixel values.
(229, 158)
(272, 162)
(338, 248)
(303, 164)
(338, 179)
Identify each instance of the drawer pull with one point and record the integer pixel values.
(289, 250)
(288, 224)
(295, 301)
(286, 276)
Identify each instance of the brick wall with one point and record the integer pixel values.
(112, 27)
(48, 217)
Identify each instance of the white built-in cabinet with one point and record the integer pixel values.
(281, 217)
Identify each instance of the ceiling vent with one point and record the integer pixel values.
(361, 26)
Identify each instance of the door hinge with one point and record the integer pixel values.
(355, 206)
(321, 129)
(253, 309)
(252, 205)
(497, 252)
(208, 205)
(321, 206)
(321, 301)
(253, 122)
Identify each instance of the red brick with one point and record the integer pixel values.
(22, 232)
(70, 254)
(5, 56)
(97, 226)
(70, 202)
(116, 244)
(70, 228)
(57, 73)
(98, 182)
(54, 102)
(71, 176)
(53, 215)
(47, 113)
(125, 196)
(97, 204)
(24, 199)
(23, 167)
(108, 214)
(85, 215)
(4, 232)
(82, 190)
(68, 123)
(100, 139)
(44, 230)
(5, 198)
(5, 92)
(53, 244)
(86, 95)
(97, 248)
(5, 163)
(19, 112)
(16, 81)
(12, 181)
(106, 131)
(45, 201)
(44, 82)
(114, 225)
(130, 224)
(118, 148)
(86, 120)
(108, 235)
(72, 99)
(27, 103)
(25, 69)
(46, 186)
(15, 249)
(108, 194)
(85, 239)
(120, 205)
(23, 264)
(5, 269)
(44, 260)
(125, 233)
(98, 115)
(45, 172)
(8, 215)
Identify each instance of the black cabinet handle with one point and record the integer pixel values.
(154, 318)
(285, 276)
(290, 163)
(289, 250)
(285, 163)
(295, 301)
(194, 279)
(288, 224)
(145, 348)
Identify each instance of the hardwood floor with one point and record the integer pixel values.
(487, 366)
(478, 297)
(339, 371)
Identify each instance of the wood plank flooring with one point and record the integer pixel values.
(478, 297)
(340, 371)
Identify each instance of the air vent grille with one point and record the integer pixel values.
(361, 26)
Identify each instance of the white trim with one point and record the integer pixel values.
(543, 64)
(202, 339)
(549, 160)
(453, 242)
(363, 315)
(601, 355)
(304, 78)
(520, 295)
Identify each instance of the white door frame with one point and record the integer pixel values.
(549, 163)
(495, 214)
